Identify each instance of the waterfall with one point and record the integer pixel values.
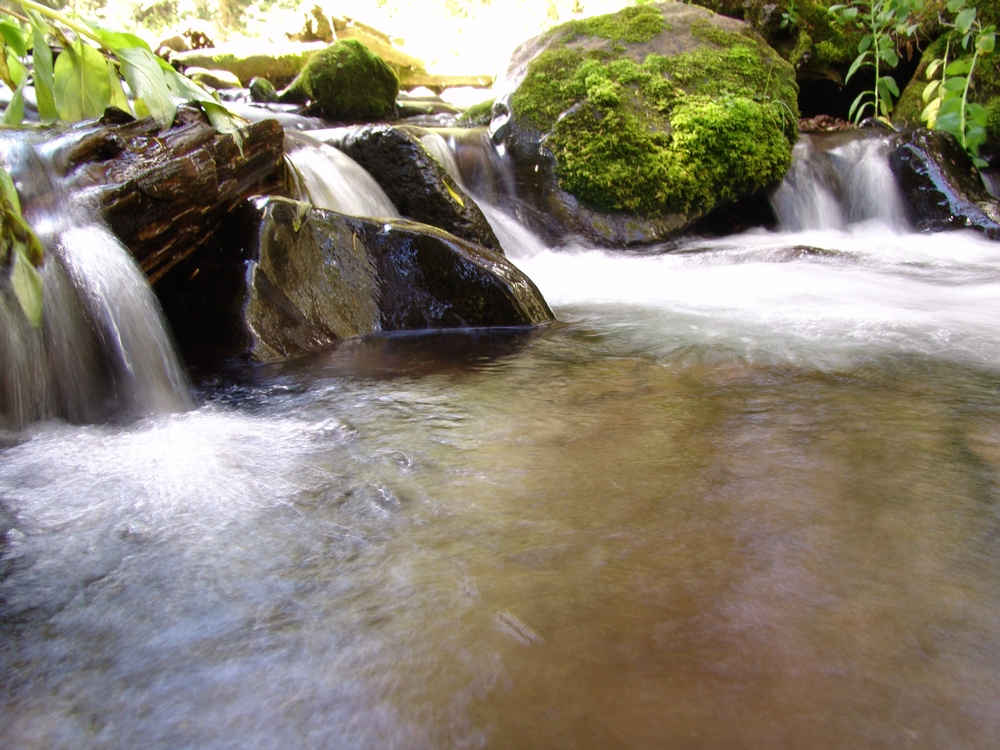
(329, 178)
(102, 348)
(839, 181)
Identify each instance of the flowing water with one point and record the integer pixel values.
(744, 495)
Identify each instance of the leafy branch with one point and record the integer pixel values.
(80, 83)
(884, 21)
(947, 98)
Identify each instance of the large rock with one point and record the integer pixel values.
(286, 278)
(627, 128)
(416, 183)
(345, 81)
(942, 187)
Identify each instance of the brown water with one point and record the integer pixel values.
(698, 513)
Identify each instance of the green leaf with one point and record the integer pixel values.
(930, 113)
(955, 5)
(929, 90)
(14, 36)
(81, 85)
(118, 98)
(964, 20)
(41, 57)
(976, 113)
(9, 198)
(117, 40)
(955, 84)
(889, 55)
(959, 67)
(27, 285)
(888, 83)
(985, 42)
(980, 163)
(949, 122)
(14, 114)
(933, 68)
(854, 106)
(850, 13)
(224, 121)
(17, 70)
(865, 43)
(856, 65)
(147, 80)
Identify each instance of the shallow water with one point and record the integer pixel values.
(740, 497)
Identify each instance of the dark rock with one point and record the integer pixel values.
(284, 278)
(627, 128)
(941, 186)
(416, 183)
(345, 81)
(262, 91)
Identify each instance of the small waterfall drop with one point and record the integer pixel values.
(839, 181)
(328, 178)
(470, 158)
(102, 348)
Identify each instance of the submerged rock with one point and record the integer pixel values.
(345, 81)
(287, 278)
(418, 186)
(628, 127)
(941, 186)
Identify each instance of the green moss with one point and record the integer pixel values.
(707, 32)
(347, 81)
(634, 24)
(672, 134)
(993, 120)
(832, 43)
(477, 115)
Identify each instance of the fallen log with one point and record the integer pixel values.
(164, 192)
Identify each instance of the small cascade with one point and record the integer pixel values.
(471, 159)
(329, 178)
(838, 181)
(102, 348)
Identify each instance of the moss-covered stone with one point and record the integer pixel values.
(478, 115)
(346, 81)
(634, 130)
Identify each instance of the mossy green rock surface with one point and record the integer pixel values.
(346, 81)
(648, 118)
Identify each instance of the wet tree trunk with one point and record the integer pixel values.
(165, 193)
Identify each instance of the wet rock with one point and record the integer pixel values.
(417, 184)
(285, 278)
(345, 81)
(279, 64)
(262, 91)
(629, 127)
(942, 187)
(221, 80)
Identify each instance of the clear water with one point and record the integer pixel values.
(743, 495)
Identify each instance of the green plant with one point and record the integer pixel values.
(86, 78)
(790, 17)
(947, 98)
(20, 250)
(82, 82)
(884, 22)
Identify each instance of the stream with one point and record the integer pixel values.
(743, 494)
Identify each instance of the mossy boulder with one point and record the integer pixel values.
(345, 81)
(646, 119)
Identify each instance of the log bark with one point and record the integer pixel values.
(164, 193)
